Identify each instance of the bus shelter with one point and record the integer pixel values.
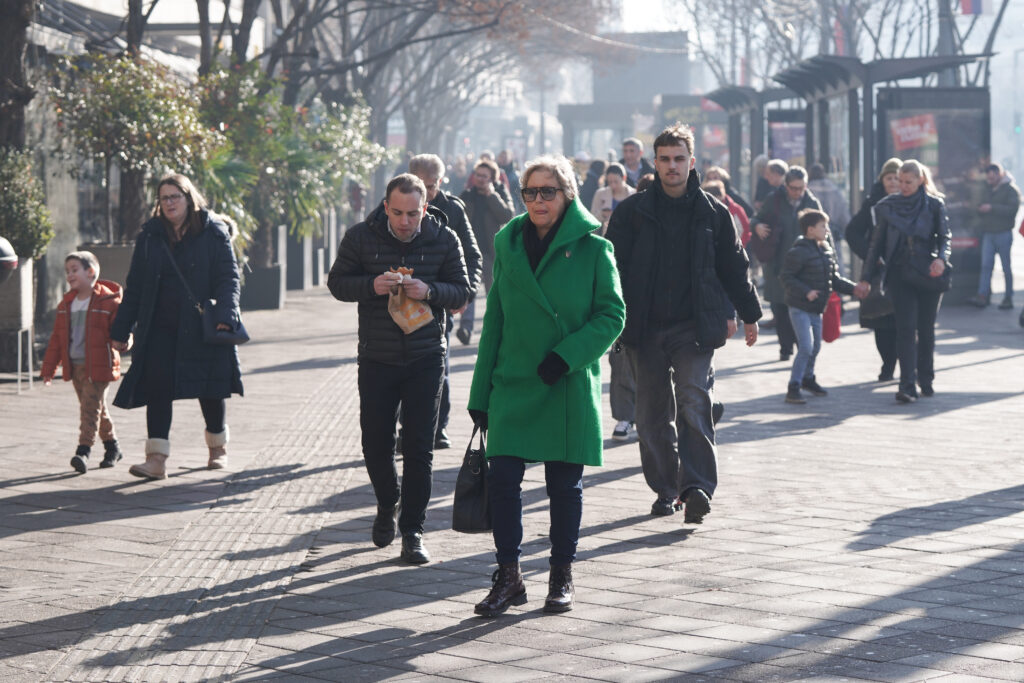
(840, 110)
(754, 129)
(851, 141)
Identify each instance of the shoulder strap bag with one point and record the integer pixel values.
(211, 335)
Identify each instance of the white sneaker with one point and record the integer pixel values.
(622, 429)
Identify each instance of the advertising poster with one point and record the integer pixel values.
(787, 141)
(916, 137)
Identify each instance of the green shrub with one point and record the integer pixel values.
(24, 218)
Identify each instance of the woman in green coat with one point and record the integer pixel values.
(555, 309)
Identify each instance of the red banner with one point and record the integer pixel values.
(914, 132)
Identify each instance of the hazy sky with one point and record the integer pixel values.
(648, 15)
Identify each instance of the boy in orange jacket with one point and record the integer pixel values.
(81, 343)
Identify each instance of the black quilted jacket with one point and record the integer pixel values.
(369, 249)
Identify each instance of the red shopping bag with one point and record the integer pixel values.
(832, 319)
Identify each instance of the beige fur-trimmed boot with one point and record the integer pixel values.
(218, 449)
(155, 466)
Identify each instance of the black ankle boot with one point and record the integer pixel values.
(111, 453)
(561, 592)
(80, 460)
(508, 589)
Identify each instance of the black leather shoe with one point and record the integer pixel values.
(561, 592)
(904, 397)
(464, 335)
(441, 441)
(1006, 304)
(927, 390)
(385, 526)
(413, 551)
(717, 410)
(697, 506)
(507, 589)
(663, 507)
(785, 355)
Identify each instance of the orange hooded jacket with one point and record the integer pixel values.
(102, 361)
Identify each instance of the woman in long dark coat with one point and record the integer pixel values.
(170, 360)
(876, 312)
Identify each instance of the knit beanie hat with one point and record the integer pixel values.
(890, 166)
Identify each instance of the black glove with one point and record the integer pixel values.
(479, 418)
(552, 368)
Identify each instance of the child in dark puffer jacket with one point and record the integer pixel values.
(809, 274)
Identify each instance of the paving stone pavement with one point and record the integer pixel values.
(851, 538)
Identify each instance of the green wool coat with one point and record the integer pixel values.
(573, 306)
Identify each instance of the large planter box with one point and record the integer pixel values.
(17, 302)
(264, 288)
(114, 259)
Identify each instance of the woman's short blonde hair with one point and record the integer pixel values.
(558, 166)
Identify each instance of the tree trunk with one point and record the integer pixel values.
(136, 26)
(15, 94)
(107, 216)
(205, 37)
(261, 251)
(242, 36)
(132, 209)
(130, 200)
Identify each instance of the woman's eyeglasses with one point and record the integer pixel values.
(171, 198)
(546, 193)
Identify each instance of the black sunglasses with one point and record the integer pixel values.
(546, 193)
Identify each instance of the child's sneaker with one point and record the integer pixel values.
(811, 385)
(793, 394)
(111, 453)
(80, 460)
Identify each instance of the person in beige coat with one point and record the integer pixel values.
(608, 197)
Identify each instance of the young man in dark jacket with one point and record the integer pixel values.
(681, 265)
(430, 169)
(775, 224)
(394, 367)
(996, 215)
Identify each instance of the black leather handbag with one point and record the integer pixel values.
(211, 335)
(916, 271)
(471, 511)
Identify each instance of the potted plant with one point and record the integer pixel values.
(25, 222)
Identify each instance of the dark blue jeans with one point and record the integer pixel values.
(417, 386)
(565, 493)
(992, 244)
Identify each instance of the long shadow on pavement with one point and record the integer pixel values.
(940, 517)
